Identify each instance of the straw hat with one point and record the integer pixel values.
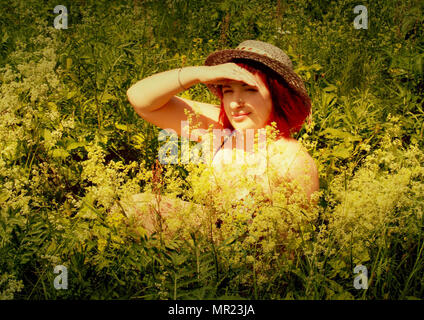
(266, 54)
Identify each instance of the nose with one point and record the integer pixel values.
(237, 101)
(236, 104)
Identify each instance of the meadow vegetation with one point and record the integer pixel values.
(73, 151)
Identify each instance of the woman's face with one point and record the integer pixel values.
(247, 107)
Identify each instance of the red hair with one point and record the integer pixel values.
(289, 110)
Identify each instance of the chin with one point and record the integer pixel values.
(242, 127)
(245, 125)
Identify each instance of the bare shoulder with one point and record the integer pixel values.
(287, 148)
(297, 164)
(284, 143)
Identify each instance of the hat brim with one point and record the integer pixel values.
(286, 73)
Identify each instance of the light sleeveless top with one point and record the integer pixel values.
(233, 167)
(226, 177)
(222, 144)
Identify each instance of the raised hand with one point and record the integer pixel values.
(221, 73)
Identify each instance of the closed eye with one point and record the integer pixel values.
(227, 91)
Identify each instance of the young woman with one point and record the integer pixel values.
(256, 85)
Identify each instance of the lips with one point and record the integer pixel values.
(240, 116)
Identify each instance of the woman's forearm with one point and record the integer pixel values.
(153, 92)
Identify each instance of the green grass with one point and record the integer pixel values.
(72, 148)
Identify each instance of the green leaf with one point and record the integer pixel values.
(315, 66)
(107, 97)
(71, 94)
(138, 139)
(74, 145)
(330, 88)
(341, 151)
(60, 153)
(224, 6)
(333, 133)
(52, 105)
(68, 63)
(5, 37)
(121, 126)
(86, 213)
(3, 197)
